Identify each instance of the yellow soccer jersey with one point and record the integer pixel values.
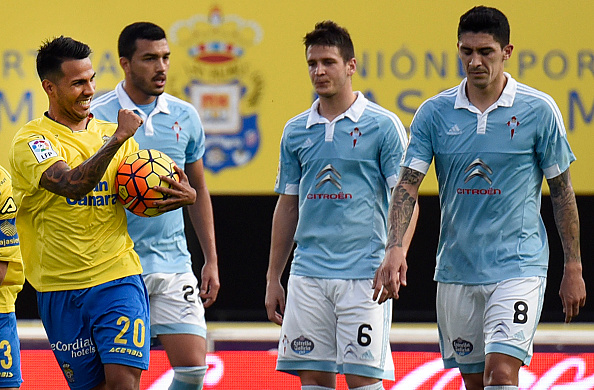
(68, 244)
(9, 246)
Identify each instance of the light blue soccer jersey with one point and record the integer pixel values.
(342, 171)
(174, 128)
(490, 168)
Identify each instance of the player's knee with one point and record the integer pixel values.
(376, 386)
(500, 375)
(188, 378)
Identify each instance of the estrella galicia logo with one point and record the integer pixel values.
(478, 168)
(462, 347)
(329, 174)
(302, 345)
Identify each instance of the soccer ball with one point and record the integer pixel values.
(137, 175)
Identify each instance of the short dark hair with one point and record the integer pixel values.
(52, 54)
(488, 20)
(328, 33)
(139, 30)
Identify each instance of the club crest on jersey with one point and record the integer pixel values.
(513, 124)
(356, 133)
(462, 347)
(176, 129)
(302, 345)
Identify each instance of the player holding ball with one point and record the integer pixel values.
(75, 245)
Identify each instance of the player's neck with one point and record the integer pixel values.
(483, 98)
(64, 120)
(335, 105)
(137, 96)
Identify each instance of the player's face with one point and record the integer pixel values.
(329, 73)
(146, 71)
(70, 97)
(483, 58)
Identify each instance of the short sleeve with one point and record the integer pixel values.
(419, 153)
(289, 170)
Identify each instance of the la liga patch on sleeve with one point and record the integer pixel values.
(42, 149)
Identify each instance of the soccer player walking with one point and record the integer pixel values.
(493, 139)
(172, 126)
(338, 161)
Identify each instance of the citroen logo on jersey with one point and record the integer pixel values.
(329, 174)
(478, 168)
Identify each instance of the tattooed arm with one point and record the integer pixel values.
(402, 220)
(573, 288)
(77, 182)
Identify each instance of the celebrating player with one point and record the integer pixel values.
(173, 127)
(77, 252)
(338, 161)
(11, 282)
(493, 139)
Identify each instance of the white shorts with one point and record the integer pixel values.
(175, 307)
(333, 325)
(475, 320)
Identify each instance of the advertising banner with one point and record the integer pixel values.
(242, 370)
(242, 65)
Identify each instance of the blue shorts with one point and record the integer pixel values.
(90, 327)
(10, 352)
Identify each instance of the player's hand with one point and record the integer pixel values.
(572, 290)
(275, 299)
(209, 284)
(180, 194)
(128, 123)
(390, 275)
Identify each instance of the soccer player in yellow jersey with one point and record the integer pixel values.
(75, 245)
(11, 282)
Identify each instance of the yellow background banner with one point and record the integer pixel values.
(242, 64)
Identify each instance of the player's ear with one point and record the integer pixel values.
(507, 51)
(125, 64)
(48, 86)
(351, 66)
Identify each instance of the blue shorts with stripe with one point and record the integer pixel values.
(90, 327)
(10, 352)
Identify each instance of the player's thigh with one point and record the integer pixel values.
(460, 321)
(363, 331)
(122, 377)
(511, 316)
(309, 325)
(118, 312)
(175, 306)
(10, 352)
(70, 336)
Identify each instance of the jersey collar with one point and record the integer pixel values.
(505, 100)
(354, 112)
(128, 104)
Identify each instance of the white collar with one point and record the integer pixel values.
(128, 104)
(505, 100)
(354, 112)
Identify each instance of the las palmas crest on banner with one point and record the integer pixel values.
(221, 85)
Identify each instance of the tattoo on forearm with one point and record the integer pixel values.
(77, 182)
(402, 207)
(566, 215)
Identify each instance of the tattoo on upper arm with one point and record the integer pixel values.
(77, 182)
